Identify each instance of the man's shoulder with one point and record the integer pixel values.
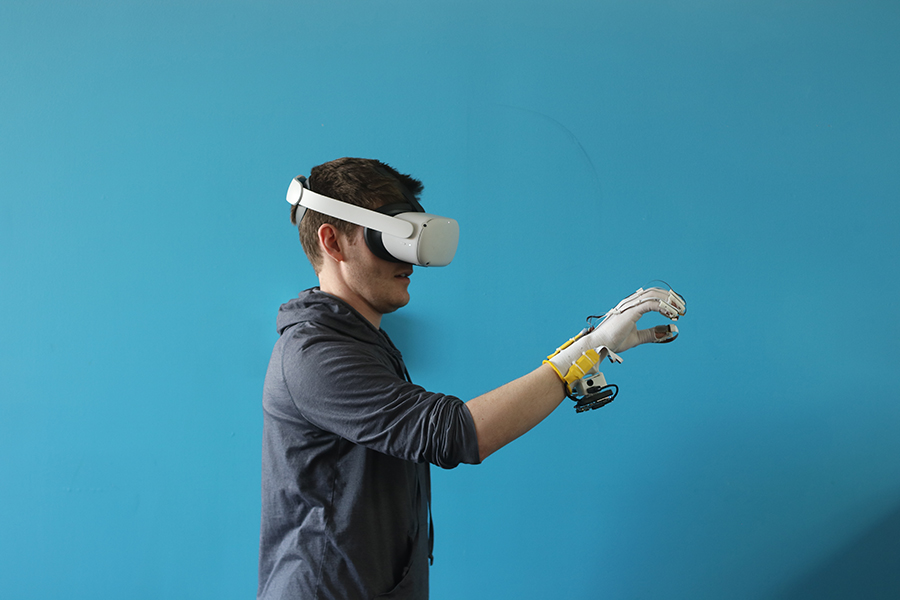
(317, 311)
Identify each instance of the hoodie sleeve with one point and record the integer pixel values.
(351, 389)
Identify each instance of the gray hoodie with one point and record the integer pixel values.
(347, 441)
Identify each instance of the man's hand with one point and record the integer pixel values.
(618, 332)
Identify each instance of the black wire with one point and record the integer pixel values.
(596, 399)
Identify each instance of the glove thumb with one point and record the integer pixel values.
(661, 334)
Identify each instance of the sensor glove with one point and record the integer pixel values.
(617, 332)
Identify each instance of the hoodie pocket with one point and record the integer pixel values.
(413, 585)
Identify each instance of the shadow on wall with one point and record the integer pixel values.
(868, 567)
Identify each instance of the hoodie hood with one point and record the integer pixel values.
(332, 312)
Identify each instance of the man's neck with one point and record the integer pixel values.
(335, 287)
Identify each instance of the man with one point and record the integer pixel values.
(348, 438)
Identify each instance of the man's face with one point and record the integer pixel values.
(380, 284)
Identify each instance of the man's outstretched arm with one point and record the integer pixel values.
(511, 410)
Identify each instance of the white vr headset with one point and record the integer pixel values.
(400, 232)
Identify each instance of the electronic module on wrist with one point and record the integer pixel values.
(583, 381)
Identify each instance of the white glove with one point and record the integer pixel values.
(617, 332)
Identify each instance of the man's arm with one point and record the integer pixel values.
(509, 411)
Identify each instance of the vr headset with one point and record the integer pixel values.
(400, 232)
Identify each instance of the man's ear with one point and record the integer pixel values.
(331, 242)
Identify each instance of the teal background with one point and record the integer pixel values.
(745, 152)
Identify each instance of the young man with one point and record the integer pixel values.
(348, 438)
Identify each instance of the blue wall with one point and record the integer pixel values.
(746, 152)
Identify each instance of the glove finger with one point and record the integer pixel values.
(661, 334)
(666, 302)
(677, 301)
(665, 333)
(670, 298)
(628, 301)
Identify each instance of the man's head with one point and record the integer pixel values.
(364, 182)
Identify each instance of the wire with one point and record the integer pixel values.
(597, 399)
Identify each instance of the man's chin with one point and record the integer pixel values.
(396, 304)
